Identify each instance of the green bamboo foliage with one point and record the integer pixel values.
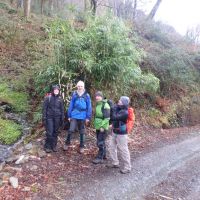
(98, 50)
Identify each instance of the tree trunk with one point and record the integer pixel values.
(134, 9)
(94, 6)
(50, 7)
(85, 5)
(42, 7)
(27, 7)
(20, 4)
(154, 10)
(127, 9)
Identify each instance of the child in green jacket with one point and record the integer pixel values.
(101, 124)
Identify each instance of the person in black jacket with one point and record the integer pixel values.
(119, 139)
(53, 117)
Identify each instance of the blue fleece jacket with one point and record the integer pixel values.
(80, 107)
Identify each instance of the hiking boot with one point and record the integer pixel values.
(112, 166)
(125, 171)
(65, 147)
(55, 149)
(97, 161)
(81, 150)
(48, 150)
(104, 157)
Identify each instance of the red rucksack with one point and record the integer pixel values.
(131, 119)
(48, 95)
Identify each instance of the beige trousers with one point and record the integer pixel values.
(118, 146)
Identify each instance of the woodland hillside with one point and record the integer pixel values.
(111, 45)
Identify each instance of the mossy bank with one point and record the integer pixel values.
(11, 101)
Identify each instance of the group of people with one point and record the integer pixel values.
(107, 118)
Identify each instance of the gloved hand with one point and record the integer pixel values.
(61, 122)
(101, 129)
(44, 122)
(110, 130)
(87, 121)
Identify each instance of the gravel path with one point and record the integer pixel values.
(169, 172)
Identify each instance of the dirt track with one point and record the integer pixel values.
(169, 172)
(165, 165)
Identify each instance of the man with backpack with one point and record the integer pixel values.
(79, 113)
(53, 117)
(101, 124)
(119, 139)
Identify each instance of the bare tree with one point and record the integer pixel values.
(134, 9)
(93, 4)
(193, 34)
(20, 3)
(127, 8)
(154, 9)
(85, 5)
(124, 8)
(118, 7)
(50, 7)
(27, 7)
(42, 7)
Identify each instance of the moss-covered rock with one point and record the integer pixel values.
(10, 131)
(17, 100)
(3, 6)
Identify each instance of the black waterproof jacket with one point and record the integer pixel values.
(53, 107)
(119, 118)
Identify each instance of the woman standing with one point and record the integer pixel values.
(119, 139)
(53, 117)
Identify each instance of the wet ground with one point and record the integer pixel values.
(168, 172)
(165, 165)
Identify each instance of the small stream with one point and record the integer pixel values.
(7, 150)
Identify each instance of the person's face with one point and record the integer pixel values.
(56, 91)
(80, 87)
(120, 103)
(98, 98)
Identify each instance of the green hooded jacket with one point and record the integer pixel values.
(102, 120)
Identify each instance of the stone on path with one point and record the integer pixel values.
(28, 146)
(22, 159)
(2, 164)
(14, 182)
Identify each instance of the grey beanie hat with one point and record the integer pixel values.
(125, 100)
(99, 93)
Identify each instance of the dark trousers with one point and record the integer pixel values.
(52, 126)
(101, 138)
(80, 124)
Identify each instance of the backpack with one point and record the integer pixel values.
(48, 95)
(131, 119)
(110, 103)
(84, 96)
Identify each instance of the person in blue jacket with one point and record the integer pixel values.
(79, 114)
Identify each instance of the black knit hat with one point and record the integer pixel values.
(54, 87)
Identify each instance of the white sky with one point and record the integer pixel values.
(181, 14)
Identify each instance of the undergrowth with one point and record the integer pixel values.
(10, 131)
(17, 100)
